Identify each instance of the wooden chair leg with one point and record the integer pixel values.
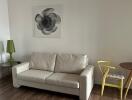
(128, 87)
(121, 89)
(128, 79)
(103, 84)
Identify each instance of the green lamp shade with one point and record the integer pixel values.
(1, 47)
(10, 46)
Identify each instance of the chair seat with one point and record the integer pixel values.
(116, 76)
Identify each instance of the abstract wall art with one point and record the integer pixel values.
(47, 21)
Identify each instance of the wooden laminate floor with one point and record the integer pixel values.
(8, 92)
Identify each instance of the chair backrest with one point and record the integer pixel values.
(102, 65)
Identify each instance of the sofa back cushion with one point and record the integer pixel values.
(71, 63)
(43, 61)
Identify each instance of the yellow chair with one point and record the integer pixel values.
(105, 67)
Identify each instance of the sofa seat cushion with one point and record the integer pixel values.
(34, 75)
(43, 61)
(71, 63)
(64, 79)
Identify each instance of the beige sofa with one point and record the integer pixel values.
(66, 73)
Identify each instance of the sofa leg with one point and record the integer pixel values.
(16, 85)
(82, 99)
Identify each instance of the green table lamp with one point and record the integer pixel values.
(10, 49)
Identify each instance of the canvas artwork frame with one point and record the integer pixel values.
(47, 21)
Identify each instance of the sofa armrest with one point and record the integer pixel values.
(86, 71)
(18, 69)
(86, 82)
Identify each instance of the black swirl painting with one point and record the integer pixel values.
(47, 22)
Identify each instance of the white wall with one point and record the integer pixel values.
(78, 27)
(115, 31)
(4, 28)
(4, 21)
(100, 28)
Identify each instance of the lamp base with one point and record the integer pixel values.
(11, 61)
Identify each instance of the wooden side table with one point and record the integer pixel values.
(128, 66)
(5, 68)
